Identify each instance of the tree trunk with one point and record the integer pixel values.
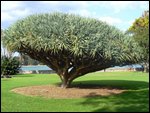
(66, 83)
(65, 79)
(68, 76)
(146, 67)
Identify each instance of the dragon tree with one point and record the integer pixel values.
(70, 44)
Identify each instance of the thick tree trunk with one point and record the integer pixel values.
(68, 76)
(65, 79)
(146, 67)
(65, 83)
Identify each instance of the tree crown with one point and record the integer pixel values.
(57, 32)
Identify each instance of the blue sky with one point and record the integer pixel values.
(118, 13)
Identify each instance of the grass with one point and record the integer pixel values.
(136, 99)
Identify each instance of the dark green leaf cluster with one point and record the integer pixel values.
(9, 66)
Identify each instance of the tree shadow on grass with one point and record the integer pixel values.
(119, 84)
(135, 99)
(130, 101)
(109, 84)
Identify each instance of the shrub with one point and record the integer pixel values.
(9, 66)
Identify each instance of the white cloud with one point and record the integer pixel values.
(14, 14)
(118, 6)
(65, 2)
(19, 12)
(6, 16)
(10, 5)
(73, 7)
(130, 22)
(71, 4)
(83, 12)
(50, 2)
(83, 4)
(144, 5)
(111, 20)
(11, 10)
(108, 19)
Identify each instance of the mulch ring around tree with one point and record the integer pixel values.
(52, 91)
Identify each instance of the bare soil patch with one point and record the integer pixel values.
(51, 91)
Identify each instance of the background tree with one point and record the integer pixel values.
(9, 64)
(26, 60)
(140, 32)
(4, 51)
(71, 45)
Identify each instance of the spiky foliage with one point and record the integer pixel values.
(71, 45)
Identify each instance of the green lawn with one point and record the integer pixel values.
(136, 99)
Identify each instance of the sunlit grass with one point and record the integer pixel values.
(135, 99)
